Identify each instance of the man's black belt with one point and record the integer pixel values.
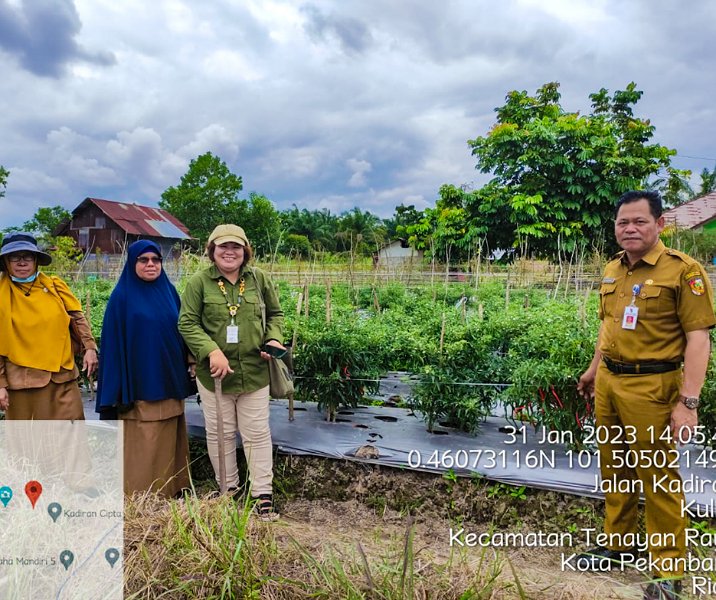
(621, 368)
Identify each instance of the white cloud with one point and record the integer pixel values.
(359, 168)
(31, 181)
(292, 163)
(228, 64)
(326, 103)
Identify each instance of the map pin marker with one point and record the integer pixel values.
(112, 556)
(55, 511)
(5, 495)
(33, 489)
(66, 558)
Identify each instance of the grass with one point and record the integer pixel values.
(331, 545)
(215, 548)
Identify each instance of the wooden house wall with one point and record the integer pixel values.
(91, 227)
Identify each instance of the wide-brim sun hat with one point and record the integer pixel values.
(23, 242)
(223, 234)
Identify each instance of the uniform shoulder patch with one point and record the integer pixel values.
(697, 286)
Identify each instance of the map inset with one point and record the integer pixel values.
(61, 503)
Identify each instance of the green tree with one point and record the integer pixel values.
(206, 197)
(298, 245)
(557, 174)
(319, 226)
(45, 221)
(674, 187)
(403, 217)
(708, 182)
(360, 232)
(4, 173)
(443, 231)
(261, 221)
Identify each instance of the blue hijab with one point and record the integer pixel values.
(142, 355)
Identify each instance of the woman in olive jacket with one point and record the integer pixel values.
(221, 320)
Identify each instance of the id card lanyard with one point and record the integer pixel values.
(631, 312)
(232, 329)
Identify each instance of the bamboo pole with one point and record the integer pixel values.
(442, 334)
(293, 347)
(298, 318)
(218, 394)
(305, 299)
(329, 308)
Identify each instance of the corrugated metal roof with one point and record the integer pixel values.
(142, 220)
(693, 213)
(168, 230)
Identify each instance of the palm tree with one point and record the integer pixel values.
(360, 231)
(708, 182)
(319, 226)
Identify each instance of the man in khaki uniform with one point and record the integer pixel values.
(656, 307)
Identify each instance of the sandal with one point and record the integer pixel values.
(264, 508)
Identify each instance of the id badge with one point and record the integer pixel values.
(631, 314)
(232, 334)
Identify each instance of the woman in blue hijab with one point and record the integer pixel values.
(143, 374)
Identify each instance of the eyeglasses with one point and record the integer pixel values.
(147, 259)
(25, 257)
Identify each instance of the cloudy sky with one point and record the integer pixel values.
(323, 103)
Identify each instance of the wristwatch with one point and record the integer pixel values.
(691, 402)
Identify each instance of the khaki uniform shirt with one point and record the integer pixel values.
(675, 297)
(204, 317)
(15, 377)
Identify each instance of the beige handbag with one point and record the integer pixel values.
(280, 375)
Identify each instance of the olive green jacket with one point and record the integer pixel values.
(204, 317)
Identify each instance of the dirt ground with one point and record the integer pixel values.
(342, 504)
(361, 513)
(342, 525)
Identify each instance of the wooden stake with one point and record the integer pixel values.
(583, 307)
(298, 319)
(481, 311)
(442, 334)
(293, 347)
(305, 300)
(328, 301)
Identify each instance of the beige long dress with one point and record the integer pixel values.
(156, 448)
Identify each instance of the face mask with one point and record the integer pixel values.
(29, 279)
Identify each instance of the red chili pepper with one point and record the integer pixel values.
(579, 421)
(541, 394)
(556, 397)
(346, 372)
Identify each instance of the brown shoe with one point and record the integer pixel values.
(265, 509)
(604, 559)
(665, 589)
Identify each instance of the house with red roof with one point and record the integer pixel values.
(109, 227)
(699, 214)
